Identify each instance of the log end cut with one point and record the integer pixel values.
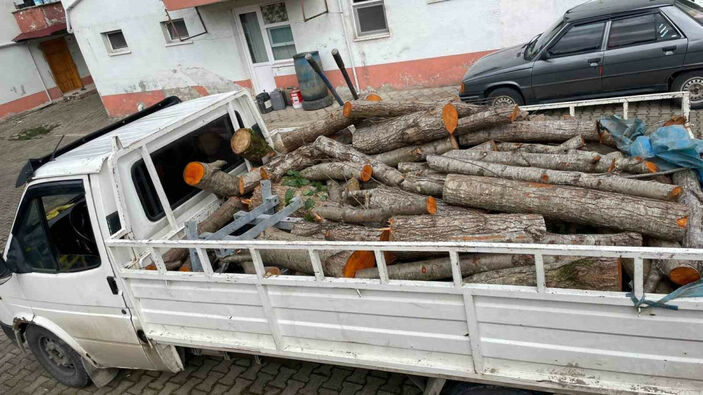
(651, 166)
(241, 141)
(193, 173)
(450, 117)
(347, 109)
(366, 172)
(683, 275)
(431, 205)
(675, 193)
(373, 97)
(359, 260)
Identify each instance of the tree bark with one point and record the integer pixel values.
(572, 144)
(396, 198)
(688, 180)
(496, 228)
(414, 153)
(249, 181)
(440, 268)
(597, 274)
(382, 172)
(345, 232)
(354, 215)
(412, 167)
(209, 177)
(586, 163)
(328, 125)
(296, 260)
(606, 239)
(341, 171)
(305, 193)
(490, 117)
(251, 146)
(428, 184)
(214, 222)
(608, 183)
(660, 219)
(315, 230)
(335, 191)
(552, 131)
(416, 128)
(299, 159)
(360, 109)
(679, 272)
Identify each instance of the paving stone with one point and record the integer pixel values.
(284, 373)
(292, 387)
(338, 376)
(234, 372)
(239, 386)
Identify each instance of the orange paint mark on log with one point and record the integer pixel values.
(539, 185)
(450, 118)
(366, 172)
(193, 173)
(684, 275)
(675, 193)
(544, 178)
(424, 269)
(651, 166)
(682, 222)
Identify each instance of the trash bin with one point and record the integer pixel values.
(313, 89)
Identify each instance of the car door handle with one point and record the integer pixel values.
(669, 50)
(594, 62)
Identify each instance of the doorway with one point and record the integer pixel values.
(268, 40)
(61, 64)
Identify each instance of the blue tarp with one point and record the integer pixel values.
(670, 147)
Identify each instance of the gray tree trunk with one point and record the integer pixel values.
(552, 131)
(328, 125)
(341, 171)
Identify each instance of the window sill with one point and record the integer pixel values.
(119, 53)
(284, 63)
(179, 43)
(372, 37)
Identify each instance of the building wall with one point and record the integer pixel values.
(429, 44)
(21, 88)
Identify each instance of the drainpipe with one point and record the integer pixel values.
(346, 40)
(68, 9)
(46, 90)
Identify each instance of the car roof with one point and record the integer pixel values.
(88, 158)
(595, 9)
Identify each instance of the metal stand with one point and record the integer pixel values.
(261, 218)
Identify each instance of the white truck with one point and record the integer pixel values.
(96, 213)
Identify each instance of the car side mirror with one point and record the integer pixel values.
(5, 272)
(544, 56)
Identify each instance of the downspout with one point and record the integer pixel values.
(68, 9)
(46, 90)
(346, 40)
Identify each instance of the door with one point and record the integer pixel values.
(642, 52)
(64, 276)
(572, 66)
(61, 64)
(268, 38)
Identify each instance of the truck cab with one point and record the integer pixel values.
(59, 290)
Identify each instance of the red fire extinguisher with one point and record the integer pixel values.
(296, 98)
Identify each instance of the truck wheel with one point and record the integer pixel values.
(505, 97)
(477, 389)
(693, 83)
(57, 357)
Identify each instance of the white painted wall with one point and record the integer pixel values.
(417, 30)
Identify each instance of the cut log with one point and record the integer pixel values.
(312, 229)
(496, 228)
(354, 215)
(597, 274)
(382, 172)
(299, 159)
(296, 260)
(488, 118)
(214, 222)
(660, 219)
(360, 109)
(414, 153)
(679, 272)
(342, 171)
(429, 185)
(609, 239)
(411, 167)
(489, 145)
(415, 128)
(691, 197)
(209, 177)
(655, 277)
(572, 144)
(330, 124)
(373, 97)
(305, 193)
(587, 163)
(396, 198)
(552, 131)
(609, 182)
(251, 146)
(345, 232)
(249, 181)
(440, 268)
(335, 191)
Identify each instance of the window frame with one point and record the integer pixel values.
(38, 190)
(266, 26)
(357, 24)
(656, 37)
(170, 40)
(567, 29)
(111, 50)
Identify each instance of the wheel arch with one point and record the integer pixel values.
(678, 73)
(509, 85)
(24, 321)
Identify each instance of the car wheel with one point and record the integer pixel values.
(693, 84)
(505, 97)
(57, 357)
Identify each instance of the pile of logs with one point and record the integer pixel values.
(461, 172)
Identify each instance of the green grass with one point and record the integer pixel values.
(36, 132)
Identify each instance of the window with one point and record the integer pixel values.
(115, 42)
(631, 31)
(175, 31)
(278, 29)
(206, 144)
(665, 30)
(692, 9)
(53, 232)
(369, 17)
(580, 39)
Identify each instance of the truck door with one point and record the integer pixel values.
(571, 66)
(64, 276)
(643, 52)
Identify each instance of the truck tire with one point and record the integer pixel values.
(505, 97)
(477, 389)
(693, 83)
(57, 357)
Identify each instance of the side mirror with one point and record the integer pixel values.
(545, 56)
(5, 272)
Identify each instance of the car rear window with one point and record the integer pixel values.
(692, 9)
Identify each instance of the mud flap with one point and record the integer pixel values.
(100, 377)
(169, 355)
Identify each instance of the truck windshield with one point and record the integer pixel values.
(692, 9)
(207, 144)
(543, 39)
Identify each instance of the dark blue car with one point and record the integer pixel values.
(599, 49)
